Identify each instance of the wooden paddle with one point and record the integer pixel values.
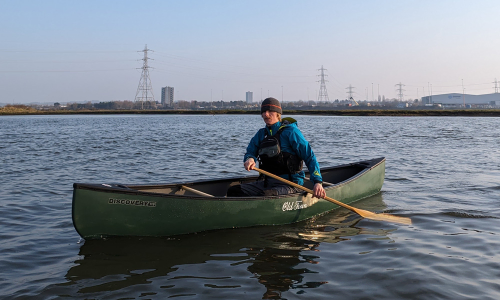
(361, 212)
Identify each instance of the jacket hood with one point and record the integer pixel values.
(288, 122)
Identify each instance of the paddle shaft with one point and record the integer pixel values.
(195, 191)
(304, 189)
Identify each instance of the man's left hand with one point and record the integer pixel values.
(319, 191)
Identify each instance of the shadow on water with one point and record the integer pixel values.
(260, 262)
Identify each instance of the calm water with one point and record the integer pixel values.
(444, 173)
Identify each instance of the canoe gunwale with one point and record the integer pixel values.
(123, 189)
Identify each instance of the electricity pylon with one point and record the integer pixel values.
(145, 83)
(400, 91)
(350, 92)
(323, 93)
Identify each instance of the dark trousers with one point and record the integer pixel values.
(268, 187)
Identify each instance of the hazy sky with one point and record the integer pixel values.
(72, 51)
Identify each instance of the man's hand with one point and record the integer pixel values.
(319, 191)
(249, 164)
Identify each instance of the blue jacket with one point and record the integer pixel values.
(292, 141)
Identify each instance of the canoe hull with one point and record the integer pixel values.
(102, 210)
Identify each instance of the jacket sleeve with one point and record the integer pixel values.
(253, 147)
(303, 149)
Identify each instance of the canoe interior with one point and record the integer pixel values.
(218, 188)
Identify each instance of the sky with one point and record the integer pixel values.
(210, 50)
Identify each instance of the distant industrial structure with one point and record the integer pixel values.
(462, 100)
(249, 97)
(167, 96)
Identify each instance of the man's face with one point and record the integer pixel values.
(270, 117)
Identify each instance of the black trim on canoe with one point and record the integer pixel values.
(338, 175)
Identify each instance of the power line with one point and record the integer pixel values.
(67, 71)
(198, 61)
(212, 70)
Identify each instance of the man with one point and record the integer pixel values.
(281, 149)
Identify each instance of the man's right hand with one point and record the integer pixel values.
(249, 164)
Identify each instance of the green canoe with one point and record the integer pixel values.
(103, 210)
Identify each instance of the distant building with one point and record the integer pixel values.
(249, 97)
(457, 99)
(167, 96)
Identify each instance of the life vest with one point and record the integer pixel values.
(273, 160)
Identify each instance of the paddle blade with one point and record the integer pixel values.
(383, 217)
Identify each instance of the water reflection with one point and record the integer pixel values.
(343, 224)
(277, 268)
(266, 261)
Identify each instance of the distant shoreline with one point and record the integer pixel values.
(343, 112)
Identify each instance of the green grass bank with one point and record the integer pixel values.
(25, 110)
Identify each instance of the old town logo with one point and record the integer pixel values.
(293, 205)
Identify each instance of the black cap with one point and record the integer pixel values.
(270, 104)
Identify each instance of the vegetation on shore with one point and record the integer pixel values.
(17, 110)
(27, 110)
